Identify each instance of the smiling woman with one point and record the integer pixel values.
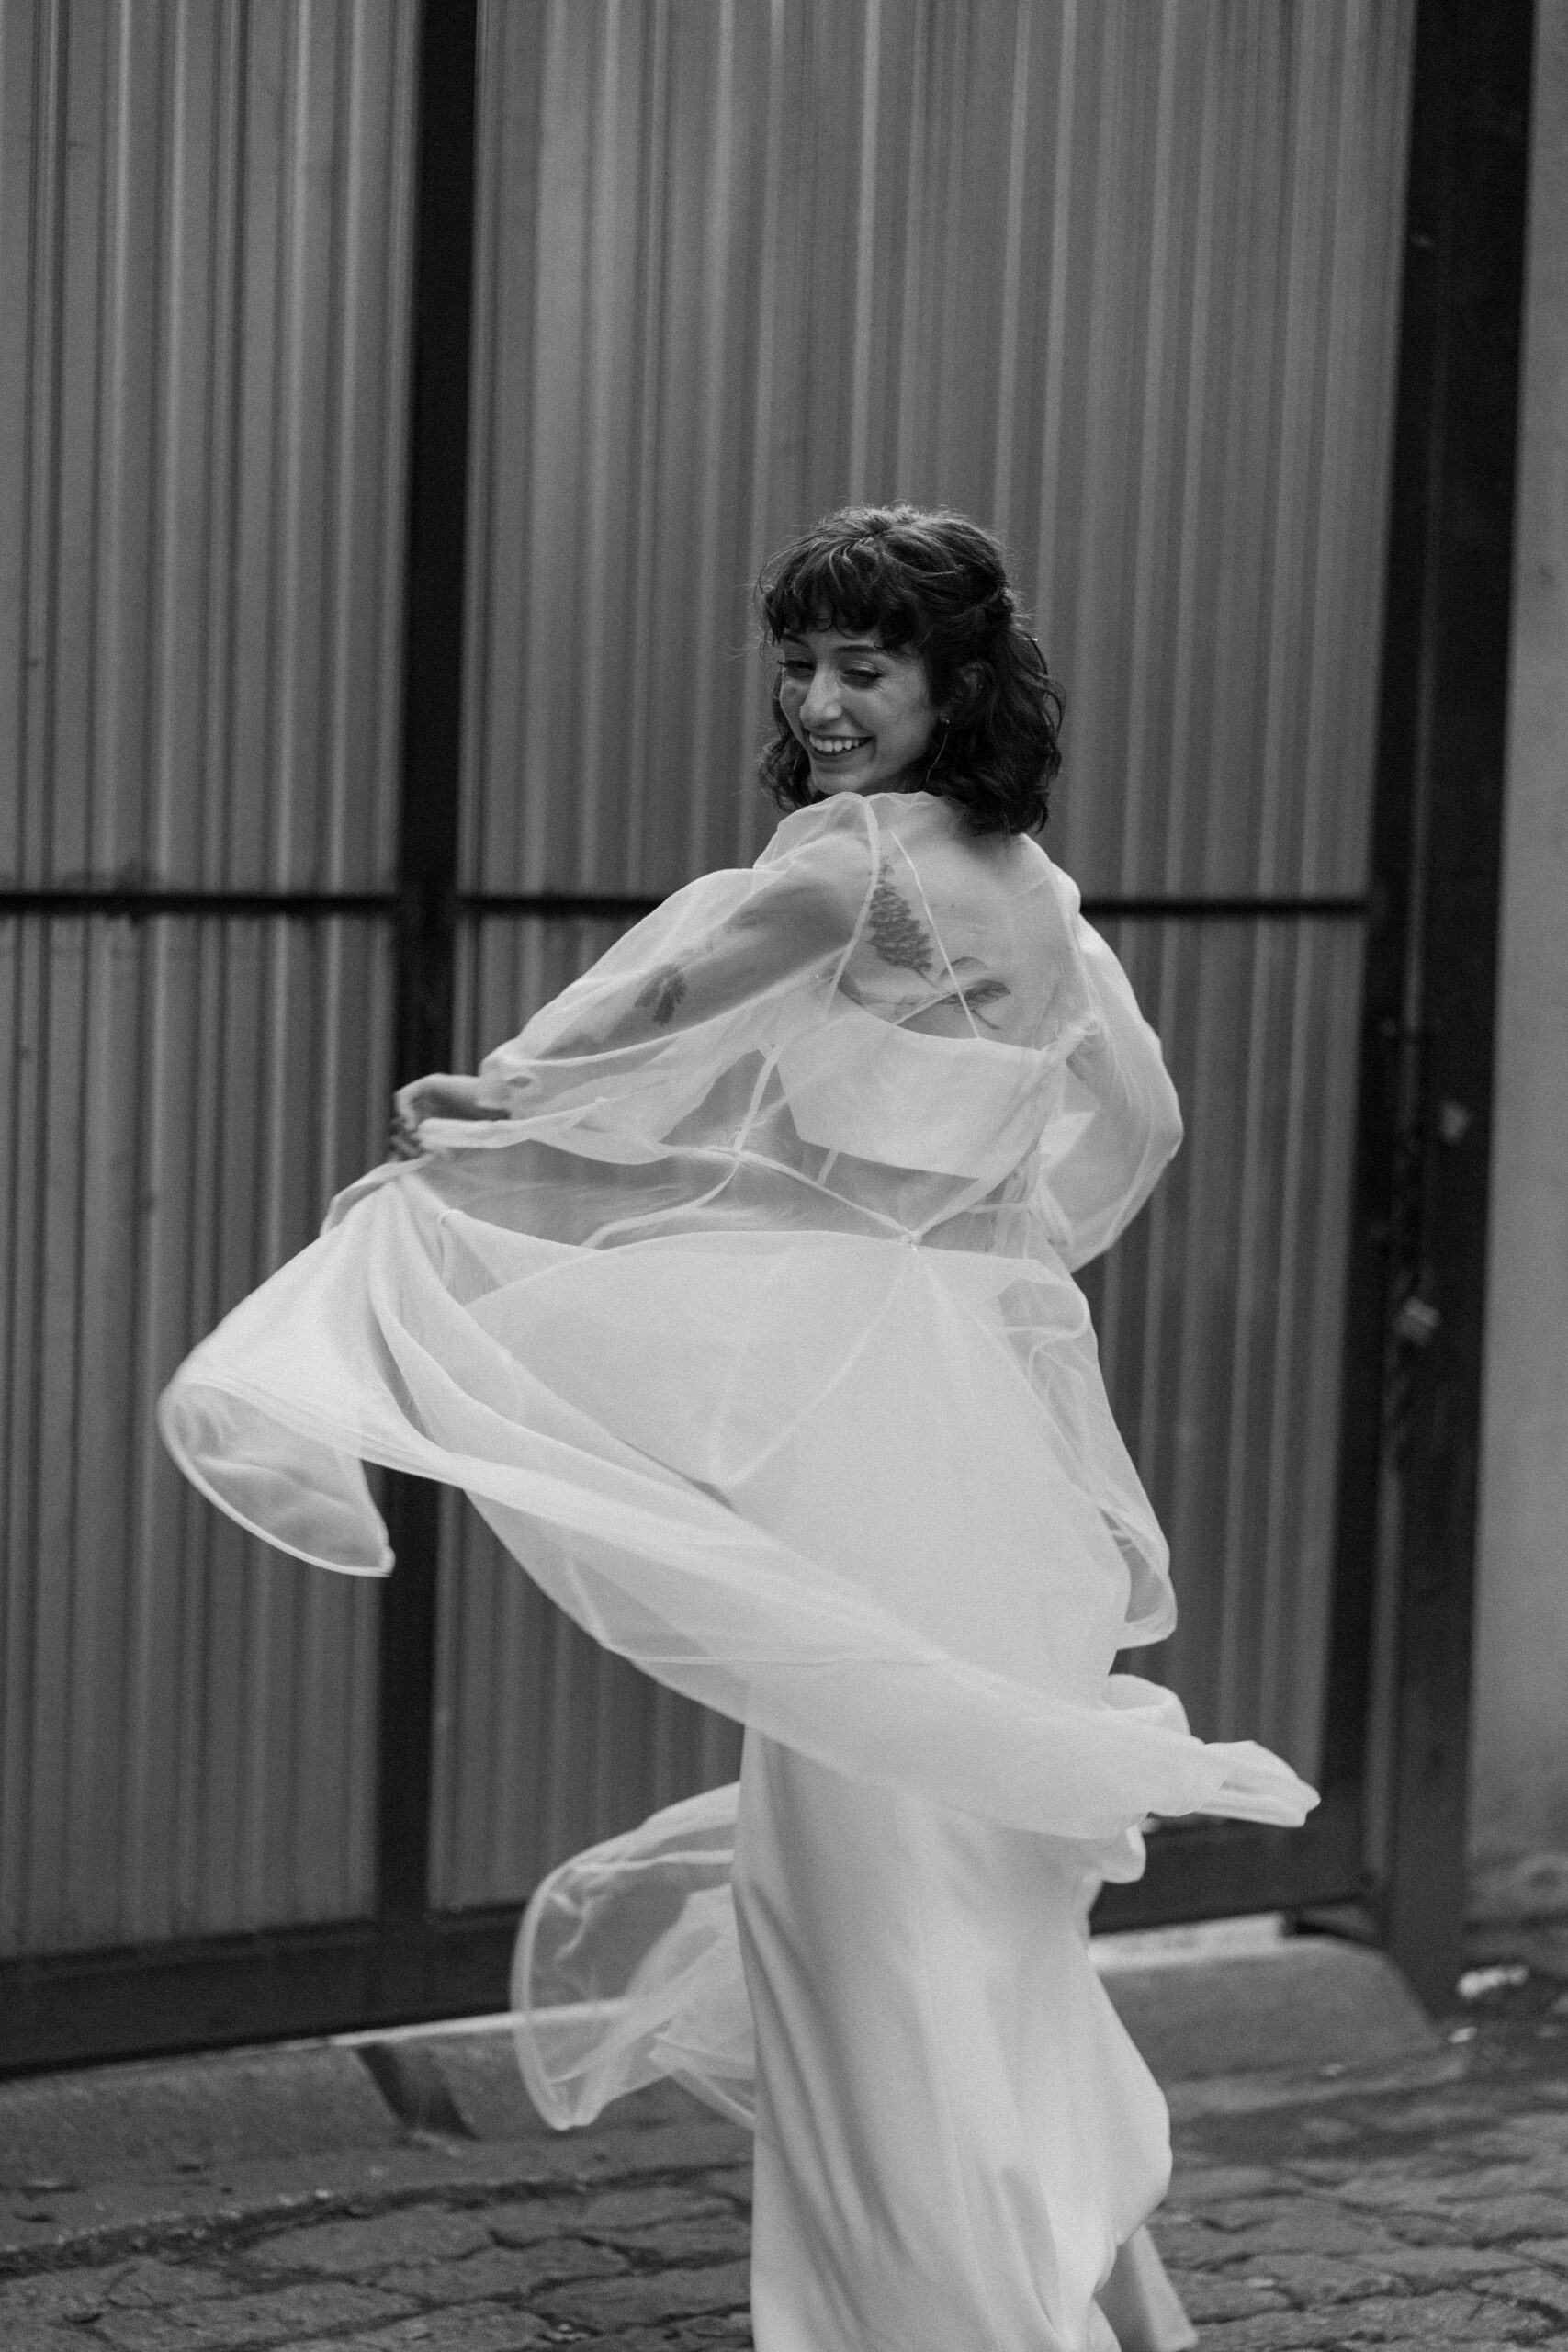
(904, 665)
(737, 1294)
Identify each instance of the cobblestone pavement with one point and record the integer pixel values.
(1424, 2208)
(1421, 2206)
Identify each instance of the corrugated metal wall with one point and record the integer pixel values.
(203, 275)
(188, 1719)
(1220, 1315)
(204, 221)
(1122, 280)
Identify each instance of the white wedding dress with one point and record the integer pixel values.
(749, 1325)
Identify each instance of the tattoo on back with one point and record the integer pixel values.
(895, 930)
(660, 994)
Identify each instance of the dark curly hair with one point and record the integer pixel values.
(925, 580)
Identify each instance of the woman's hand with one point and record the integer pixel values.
(440, 1096)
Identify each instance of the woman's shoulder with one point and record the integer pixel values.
(826, 852)
(1040, 871)
(844, 840)
(843, 821)
(924, 822)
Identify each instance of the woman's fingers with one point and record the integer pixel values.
(403, 1141)
(440, 1096)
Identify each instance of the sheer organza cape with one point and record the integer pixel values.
(749, 1325)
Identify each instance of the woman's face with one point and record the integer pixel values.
(864, 714)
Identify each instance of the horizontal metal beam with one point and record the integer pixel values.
(1335, 907)
(142, 906)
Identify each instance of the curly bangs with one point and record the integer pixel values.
(928, 582)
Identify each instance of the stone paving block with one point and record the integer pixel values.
(524, 2220)
(1317, 2281)
(1448, 2318)
(149, 2282)
(1409, 2227)
(1187, 2244)
(703, 2145)
(505, 2270)
(1271, 2332)
(144, 2209)
(476, 2328)
(72, 2295)
(1200, 2185)
(1322, 2171)
(1512, 2179)
(281, 2316)
(1232, 2213)
(1492, 2220)
(1542, 2126)
(1546, 2290)
(1440, 2117)
(699, 2238)
(43, 2336)
(1307, 2227)
(708, 2335)
(734, 2181)
(1396, 2186)
(601, 2213)
(1444, 2266)
(356, 2249)
(669, 2294)
(77, 2296)
(1207, 2298)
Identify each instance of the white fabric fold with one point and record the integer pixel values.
(748, 1324)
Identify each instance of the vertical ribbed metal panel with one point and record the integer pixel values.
(544, 1742)
(189, 1728)
(204, 221)
(1121, 279)
(1221, 1315)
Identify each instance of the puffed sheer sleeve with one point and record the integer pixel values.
(1120, 1122)
(735, 962)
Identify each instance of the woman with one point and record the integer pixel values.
(735, 1292)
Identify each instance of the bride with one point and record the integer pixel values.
(737, 1294)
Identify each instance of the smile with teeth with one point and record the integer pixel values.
(834, 747)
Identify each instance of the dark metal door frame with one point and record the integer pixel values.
(1388, 1844)
(1414, 1356)
(1388, 1837)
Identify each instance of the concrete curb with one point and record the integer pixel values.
(1299, 2003)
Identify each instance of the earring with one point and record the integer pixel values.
(936, 756)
